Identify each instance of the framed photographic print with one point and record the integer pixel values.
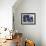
(28, 18)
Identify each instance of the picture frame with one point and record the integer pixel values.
(28, 18)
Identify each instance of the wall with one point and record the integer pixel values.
(43, 22)
(32, 32)
(6, 13)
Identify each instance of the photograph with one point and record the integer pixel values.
(28, 18)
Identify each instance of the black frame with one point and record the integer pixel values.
(29, 14)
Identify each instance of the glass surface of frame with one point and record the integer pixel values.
(28, 18)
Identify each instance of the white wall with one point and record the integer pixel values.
(6, 13)
(43, 22)
(30, 31)
(35, 32)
